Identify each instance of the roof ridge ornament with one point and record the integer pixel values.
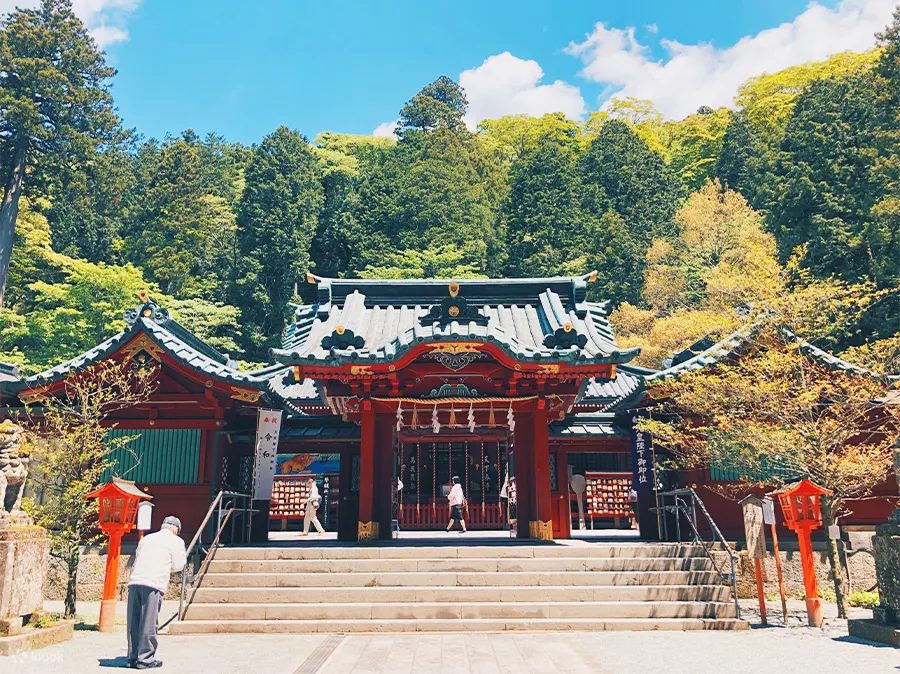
(147, 309)
(454, 307)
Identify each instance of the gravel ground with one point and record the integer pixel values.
(792, 648)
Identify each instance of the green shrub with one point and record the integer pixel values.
(863, 599)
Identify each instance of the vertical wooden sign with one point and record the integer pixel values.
(755, 533)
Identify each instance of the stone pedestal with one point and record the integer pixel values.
(886, 624)
(24, 557)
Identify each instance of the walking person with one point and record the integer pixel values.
(456, 499)
(157, 557)
(313, 501)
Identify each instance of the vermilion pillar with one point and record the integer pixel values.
(384, 473)
(541, 526)
(523, 445)
(110, 583)
(367, 528)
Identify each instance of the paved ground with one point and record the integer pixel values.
(795, 648)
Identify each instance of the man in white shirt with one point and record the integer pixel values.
(158, 556)
(456, 499)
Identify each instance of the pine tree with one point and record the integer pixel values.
(54, 102)
(621, 176)
(277, 218)
(543, 213)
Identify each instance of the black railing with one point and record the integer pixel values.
(682, 505)
(227, 521)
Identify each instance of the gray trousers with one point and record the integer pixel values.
(143, 615)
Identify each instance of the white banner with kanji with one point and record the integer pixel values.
(268, 427)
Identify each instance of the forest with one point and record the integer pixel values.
(793, 192)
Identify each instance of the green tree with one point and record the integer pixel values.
(182, 229)
(621, 174)
(736, 163)
(441, 104)
(89, 200)
(821, 189)
(277, 218)
(543, 212)
(54, 102)
(443, 262)
(75, 450)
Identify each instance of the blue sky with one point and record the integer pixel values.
(243, 68)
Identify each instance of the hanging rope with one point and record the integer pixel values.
(433, 476)
(471, 419)
(483, 481)
(415, 417)
(429, 401)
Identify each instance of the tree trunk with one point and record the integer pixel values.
(9, 210)
(834, 559)
(72, 581)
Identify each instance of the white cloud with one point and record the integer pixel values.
(105, 19)
(507, 85)
(700, 74)
(386, 129)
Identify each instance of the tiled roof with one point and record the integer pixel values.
(167, 333)
(737, 341)
(546, 320)
(295, 395)
(587, 425)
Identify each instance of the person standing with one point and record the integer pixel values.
(313, 501)
(157, 557)
(456, 499)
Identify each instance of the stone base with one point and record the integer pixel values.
(24, 556)
(874, 631)
(11, 626)
(35, 639)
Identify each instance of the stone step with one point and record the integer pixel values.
(440, 625)
(465, 579)
(462, 552)
(460, 610)
(335, 595)
(475, 565)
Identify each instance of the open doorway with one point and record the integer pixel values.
(425, 466)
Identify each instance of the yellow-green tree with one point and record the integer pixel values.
(73, 451)
(776, 412)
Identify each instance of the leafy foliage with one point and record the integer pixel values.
(74, 451)
(223, 234)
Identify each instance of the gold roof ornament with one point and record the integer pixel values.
(310, 278)
(567, 327)
(340, 329)
(454, 289)
(144, 295)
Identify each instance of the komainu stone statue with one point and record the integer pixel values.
(13, 468)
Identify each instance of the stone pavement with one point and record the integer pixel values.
(795, 648)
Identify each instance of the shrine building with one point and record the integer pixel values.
(387, 390)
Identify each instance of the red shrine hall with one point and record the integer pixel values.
(386, 390)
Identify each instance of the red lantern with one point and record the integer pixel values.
(118, 501)
(801, 506)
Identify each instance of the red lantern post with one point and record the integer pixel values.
(118, 513)
(801, 507)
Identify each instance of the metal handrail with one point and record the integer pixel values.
(195, 548)
(680, 506)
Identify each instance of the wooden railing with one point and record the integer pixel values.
(489, 516)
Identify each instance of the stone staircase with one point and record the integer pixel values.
(586, 586)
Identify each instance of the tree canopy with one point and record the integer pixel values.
(690, 223)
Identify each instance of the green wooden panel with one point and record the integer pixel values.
(156, 456)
